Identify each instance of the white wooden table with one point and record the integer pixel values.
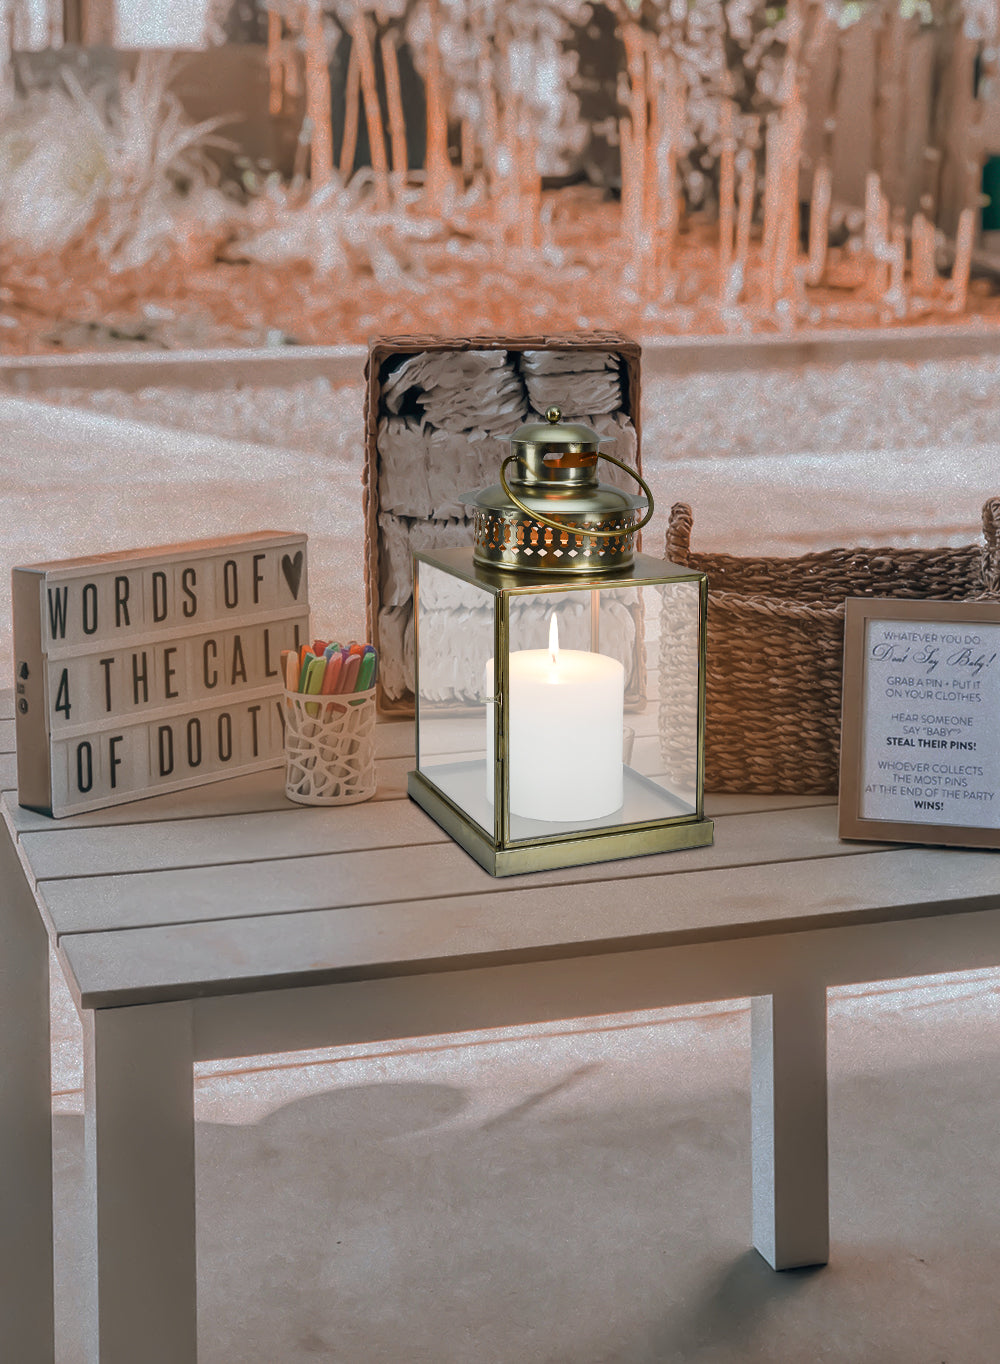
(226, 922)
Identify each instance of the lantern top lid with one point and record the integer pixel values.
(555, 436)
(552, 515)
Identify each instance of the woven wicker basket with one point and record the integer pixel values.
(775, 644)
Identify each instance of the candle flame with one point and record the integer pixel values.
(553, 639)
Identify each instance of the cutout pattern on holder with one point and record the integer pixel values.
(330, 748)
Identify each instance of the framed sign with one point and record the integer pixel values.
(920, 742)
(151, 670)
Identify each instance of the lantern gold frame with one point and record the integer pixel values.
(502, 855)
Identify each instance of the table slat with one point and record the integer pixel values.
(471, 930)
(729, 803)
(289, 832)
(257, 792)
(252, 793)
(387, 873)
(394, 738)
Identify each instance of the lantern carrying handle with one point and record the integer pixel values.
(581, 530)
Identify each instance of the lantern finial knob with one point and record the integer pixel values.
(553, 414)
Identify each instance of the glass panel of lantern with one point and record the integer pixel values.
(559, 704)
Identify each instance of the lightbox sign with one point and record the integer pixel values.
(152, 670)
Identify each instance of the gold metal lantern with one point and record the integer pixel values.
(553, 516)
(540, 672)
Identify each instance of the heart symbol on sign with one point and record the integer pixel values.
(292, 569)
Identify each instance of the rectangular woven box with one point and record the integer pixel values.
(775, 648)
(438, 411)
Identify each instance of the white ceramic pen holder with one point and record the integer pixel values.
(330, 748)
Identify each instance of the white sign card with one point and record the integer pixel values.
(148, 671)
(920, 754)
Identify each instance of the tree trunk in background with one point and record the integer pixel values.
(90, 23)
(318, 99)
(917, 120)
(956, 131)
(853, 139)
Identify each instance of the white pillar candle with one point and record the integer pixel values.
(566, 723)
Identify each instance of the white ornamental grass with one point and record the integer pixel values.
(133, 175)
(336, 230)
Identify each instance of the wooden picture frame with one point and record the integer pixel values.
(920, 735)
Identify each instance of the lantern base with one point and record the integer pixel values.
(566, 851)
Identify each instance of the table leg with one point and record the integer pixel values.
(788, 1101)
(139, 1146)
(25, 1120)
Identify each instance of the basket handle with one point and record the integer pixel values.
(679, 533)
(991, 553)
